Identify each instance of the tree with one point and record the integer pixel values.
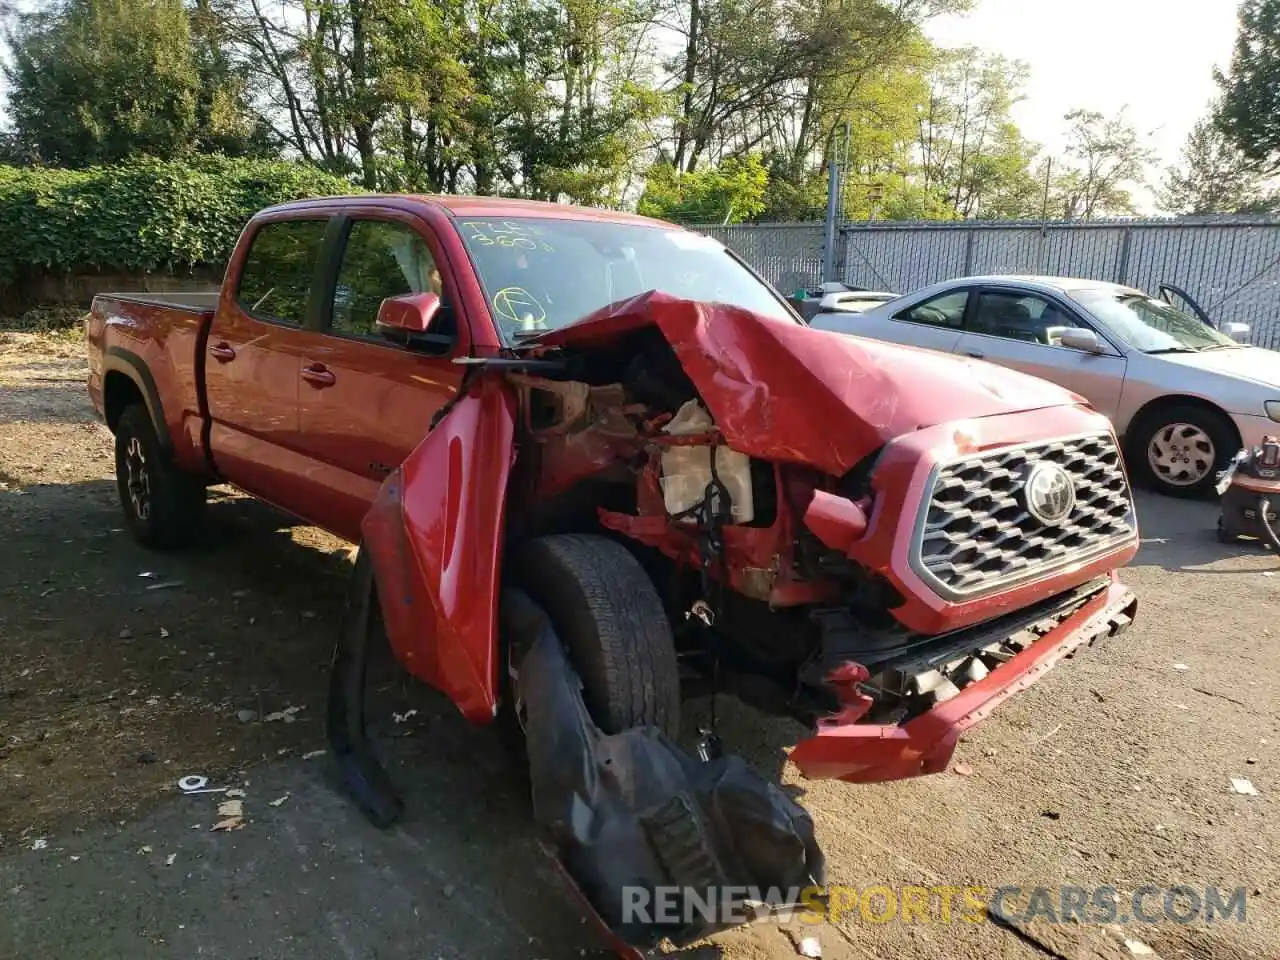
(1110, 158)
(971, 152)
(538, 98)
(730, 193)
(1214, 176)
(1250, 109)
(98, 81)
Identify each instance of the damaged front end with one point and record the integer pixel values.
(880, 542)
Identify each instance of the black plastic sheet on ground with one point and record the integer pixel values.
(661, 843)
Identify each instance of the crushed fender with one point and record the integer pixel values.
(633, 816)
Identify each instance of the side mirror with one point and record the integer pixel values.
(1239, 332)
(408, 319)
(1078, 338)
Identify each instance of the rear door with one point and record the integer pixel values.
(253, 356)
(1019, 329)
(365, 403)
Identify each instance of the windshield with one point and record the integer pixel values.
(540, 274)
(1151, 326)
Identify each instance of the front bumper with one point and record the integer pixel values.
(869, 753)
(1253, 429)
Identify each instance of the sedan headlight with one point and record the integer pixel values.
(1273, 409)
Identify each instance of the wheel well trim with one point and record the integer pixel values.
(129, 364)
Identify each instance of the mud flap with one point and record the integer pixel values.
(434, 536)
(358, 766)
(658, 842)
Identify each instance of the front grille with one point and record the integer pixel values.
(978, 535)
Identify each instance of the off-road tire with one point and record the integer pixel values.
(609, 616)
(163, 506)
(1214, 424)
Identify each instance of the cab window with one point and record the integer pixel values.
(275, 280)
(381, 259)
(946, 310)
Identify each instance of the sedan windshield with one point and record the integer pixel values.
(542, 273)
(1151, 326)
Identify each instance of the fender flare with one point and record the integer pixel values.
(120, 360)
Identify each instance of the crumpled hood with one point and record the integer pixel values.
(785, 392)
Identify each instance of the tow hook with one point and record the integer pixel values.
(846, 681)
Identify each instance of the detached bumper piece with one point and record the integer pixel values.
(844, 749)
(637, 822)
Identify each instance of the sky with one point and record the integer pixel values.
(1156, 56)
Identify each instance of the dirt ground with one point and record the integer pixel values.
(122, 670)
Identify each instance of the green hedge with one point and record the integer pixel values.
(142, 216)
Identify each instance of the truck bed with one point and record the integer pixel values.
(194, 302)
(147, 348)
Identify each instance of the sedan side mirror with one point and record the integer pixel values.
(1239, 332)
(1078, 338)
(408, 319)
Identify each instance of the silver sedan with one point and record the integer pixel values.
(1183, 396)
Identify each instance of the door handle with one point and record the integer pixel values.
(976, 354)
(318, 375)
(222, 352)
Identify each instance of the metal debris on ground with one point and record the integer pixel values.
(148, 575)
(279, 800)
(146, 849)
(166, 585)
(1181, 666)
(164, 634)
(168, 861)
(404, 717)
(809, 947)
(1243, 787)
(39, 843)
(196, 784)
(287, 715)
(312, 754)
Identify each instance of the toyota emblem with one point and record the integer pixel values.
(1049, 493)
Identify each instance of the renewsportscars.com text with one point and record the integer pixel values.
(937, 904)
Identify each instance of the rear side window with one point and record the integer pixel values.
(946, 310)
(275, 281)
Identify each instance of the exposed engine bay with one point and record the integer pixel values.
(765, 602)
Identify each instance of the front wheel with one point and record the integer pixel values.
(611, 620)
(1179, 450)
(163, 506)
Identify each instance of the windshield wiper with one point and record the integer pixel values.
(1172, 350)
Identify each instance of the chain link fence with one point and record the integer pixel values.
(1231, 266)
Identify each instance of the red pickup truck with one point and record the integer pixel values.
(618, 417)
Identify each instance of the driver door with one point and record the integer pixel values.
(1017, 329)
(1179, 299)
(364, 402)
